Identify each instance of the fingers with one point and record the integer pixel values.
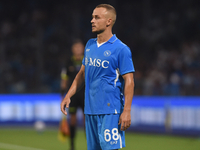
(122, 126)
(67, 105)
(128, 124)
(120, 121)
(125, 125)
(63, 105)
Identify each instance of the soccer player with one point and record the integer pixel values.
(68, 74)
(107, 70)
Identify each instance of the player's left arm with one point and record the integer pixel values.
(125, 118)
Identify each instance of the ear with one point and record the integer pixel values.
(109, 22)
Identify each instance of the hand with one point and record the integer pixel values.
(65, 103)
(125, 120)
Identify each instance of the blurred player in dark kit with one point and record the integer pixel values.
(68, 74)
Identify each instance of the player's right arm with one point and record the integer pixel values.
(77, 83)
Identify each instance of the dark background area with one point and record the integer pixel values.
(164, 37)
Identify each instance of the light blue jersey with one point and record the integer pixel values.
(104, 67)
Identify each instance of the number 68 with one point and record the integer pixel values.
(107, 134)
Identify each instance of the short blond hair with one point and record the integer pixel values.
(110, 8)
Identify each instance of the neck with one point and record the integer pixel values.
(104, 36)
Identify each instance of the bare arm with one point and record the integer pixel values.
(125, 118)
(78, 81)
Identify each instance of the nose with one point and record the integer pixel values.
(92, 21)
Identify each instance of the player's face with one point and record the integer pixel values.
(99, 20)
(78, 49)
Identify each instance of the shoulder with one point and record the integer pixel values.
(90, 42)
(122, 47)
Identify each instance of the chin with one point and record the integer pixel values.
(98, 31)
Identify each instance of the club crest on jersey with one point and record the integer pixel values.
(107, 53)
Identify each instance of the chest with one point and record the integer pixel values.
(103, 56)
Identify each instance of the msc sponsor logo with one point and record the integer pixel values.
(96, 62)
(87, 50)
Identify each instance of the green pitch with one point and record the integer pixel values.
(29, 139)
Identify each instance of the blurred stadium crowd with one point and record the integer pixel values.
(164, 36)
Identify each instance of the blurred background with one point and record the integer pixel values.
(164, 37)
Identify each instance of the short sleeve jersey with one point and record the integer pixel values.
(104, 67)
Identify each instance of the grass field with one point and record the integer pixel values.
(29, 139)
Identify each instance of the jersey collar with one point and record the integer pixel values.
(111, 40)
